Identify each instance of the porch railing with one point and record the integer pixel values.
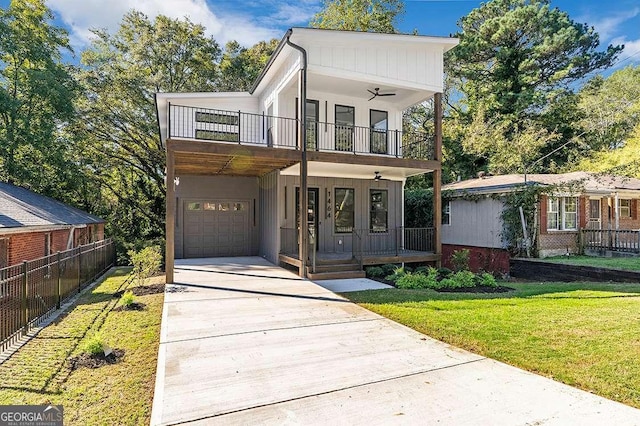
(31, 291)
(265, 130)
(610, 240)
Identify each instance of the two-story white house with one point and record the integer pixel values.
(321, 128)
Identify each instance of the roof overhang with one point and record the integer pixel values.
(354, 171)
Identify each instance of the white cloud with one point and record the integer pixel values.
(631, 52)
(607, 26)
(83, 15)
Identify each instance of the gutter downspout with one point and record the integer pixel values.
(304, 195)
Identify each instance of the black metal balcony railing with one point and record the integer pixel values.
(265, 130)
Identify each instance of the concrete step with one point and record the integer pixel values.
(336, 275)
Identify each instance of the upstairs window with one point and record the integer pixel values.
(378, 134)
(345, 122)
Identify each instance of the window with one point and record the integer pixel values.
(47, 244)
(624, 208)
(345, 120)
(344, 211)
(562, 213)
(379, 126)
(312, 112)
(446, 213)
(194, 206)
(217, 118)
(379, 204)
(209, 206)
(223, 207)
(238, 207)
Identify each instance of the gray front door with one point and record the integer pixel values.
(215, 228)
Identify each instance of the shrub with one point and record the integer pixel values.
(487, 280)
(461, 279)
(460, 260)
(93, 345)
(375, 272)
(444, 272)
(127, 299)
(397, 273)
(146, 263)
(388, 268)
(419, 280)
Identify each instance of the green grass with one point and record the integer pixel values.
(114, 394)
(584, 334)
(625, 263)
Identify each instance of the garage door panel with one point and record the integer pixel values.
(221, 228)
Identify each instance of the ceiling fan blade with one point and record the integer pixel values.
(386, 94)
(372, 97)
(371, 91)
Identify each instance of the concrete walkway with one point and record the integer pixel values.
(245, 342)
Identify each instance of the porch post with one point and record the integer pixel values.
(437, 177)
(170, 215)
(304, 191)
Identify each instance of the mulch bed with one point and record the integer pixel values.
(135, 306)
(96, 361)
(476, 289)
(142, 290)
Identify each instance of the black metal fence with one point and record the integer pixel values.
(622, 240)
(266, 130)
(33, 290)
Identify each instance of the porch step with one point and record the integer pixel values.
(343, 261)
(340, 267)
(336, 275)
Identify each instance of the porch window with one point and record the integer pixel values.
(446, 213)
(562, 213)
(345, 120)
(344, 211)
(624, 208)
(379, 125)
(379, 206)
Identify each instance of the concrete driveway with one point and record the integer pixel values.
(246, 342)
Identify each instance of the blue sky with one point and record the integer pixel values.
(250, 21)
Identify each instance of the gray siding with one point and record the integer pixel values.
(193, 188)
(328, 240)
(268, 217)
(475, 223)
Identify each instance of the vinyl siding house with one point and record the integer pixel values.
(578, 211)
(33, 226)
(322, 128)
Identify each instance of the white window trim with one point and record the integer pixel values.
(562, 213)
(620, 208)
(448, 210)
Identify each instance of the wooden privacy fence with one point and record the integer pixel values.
(610, 240)
(33, 290)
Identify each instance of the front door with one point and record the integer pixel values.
(312, 212)
(595, 218)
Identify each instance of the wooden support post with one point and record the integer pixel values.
(170, 216)
(437, 177)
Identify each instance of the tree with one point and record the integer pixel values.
(611, 108)
(36, 100)
(623, 161)
(118, 130)
(516, 60)
(379, 16)
(240, 66)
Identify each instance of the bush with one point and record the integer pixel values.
(146, 263)
(94, 345)
(460, 260)
(461, 279)
(487, 280)
(127, 299)
(419, 280)
(397, 274)
(388, 268)
(444, 272)
(375, 272)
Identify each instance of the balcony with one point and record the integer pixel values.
(262, 130)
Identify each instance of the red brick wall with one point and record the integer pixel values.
(480, 258)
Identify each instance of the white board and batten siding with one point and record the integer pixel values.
(475, 223)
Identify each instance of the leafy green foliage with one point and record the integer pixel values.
(461, 279)
(378, 16)
(375, 272)
(127, 299)
(240, 66)
(388, 268)
(486, 279)
(146, 263)
(418, 211)
(418, 280)
(398, 273)
(527, 198)
(93, 345)
(460, 260)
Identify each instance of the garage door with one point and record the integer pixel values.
(216, 228)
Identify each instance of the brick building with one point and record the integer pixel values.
(34, 226)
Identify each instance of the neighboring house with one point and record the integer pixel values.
(568, 203)
(238, 173)
(33, 226)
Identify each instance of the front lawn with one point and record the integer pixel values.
(584, 334)
(624, 263)
(119, 393)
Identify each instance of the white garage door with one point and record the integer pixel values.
(216, 228)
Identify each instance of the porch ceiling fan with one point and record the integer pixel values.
(376, 92)
(378, 177)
